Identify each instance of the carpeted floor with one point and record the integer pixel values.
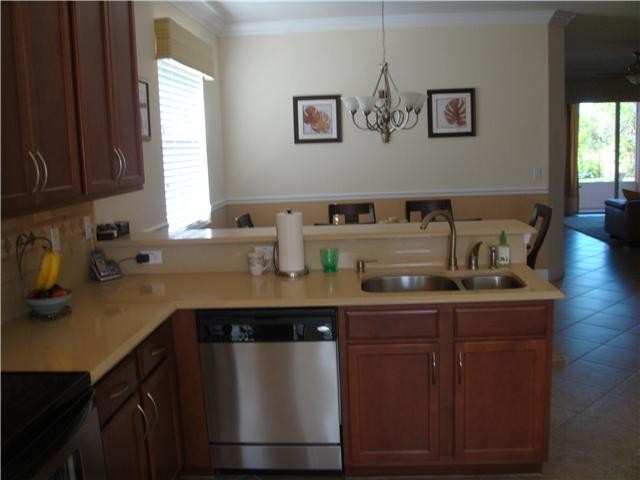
(593, 225)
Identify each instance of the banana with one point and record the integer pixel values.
(43, 271)
(53, 271)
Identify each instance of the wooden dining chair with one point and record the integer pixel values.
(244, 221)
(352, 212)
(543, 213)
(426, 206)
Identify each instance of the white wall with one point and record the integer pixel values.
(507, 65)
(146, 209)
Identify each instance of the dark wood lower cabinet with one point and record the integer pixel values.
(446, 388)
(500, 401)
(163, 442)
(123, 443)
(139, 413)
(393, 403)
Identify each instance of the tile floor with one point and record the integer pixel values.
(595, 401)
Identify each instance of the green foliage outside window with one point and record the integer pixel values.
(596, 141)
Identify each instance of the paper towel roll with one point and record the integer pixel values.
(290, 241)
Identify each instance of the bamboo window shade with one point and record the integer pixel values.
(176, 42)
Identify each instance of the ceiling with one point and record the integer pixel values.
(600, 39)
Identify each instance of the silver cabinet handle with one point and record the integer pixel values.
(460, 367)
(434, 368)
(120, 164)
(124, 161)
(46, 170)
(155, 409)
(157, 351)
(146, 421)
(37, 167)
(116, 394)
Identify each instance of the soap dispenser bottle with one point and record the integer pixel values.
(504, 251)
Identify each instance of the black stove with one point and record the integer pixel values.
(40, 412)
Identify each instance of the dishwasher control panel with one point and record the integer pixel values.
(267, 325)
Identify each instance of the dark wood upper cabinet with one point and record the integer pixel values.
(109, 118)
(40, 163)
(70, 112)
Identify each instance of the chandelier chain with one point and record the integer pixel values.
(384, 48)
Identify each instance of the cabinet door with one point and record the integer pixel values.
(123, 443)
(164, 439)
(500, 401)
(43, 43)
(90, 38)
(18, 171)
(393, 404)
(124, 78)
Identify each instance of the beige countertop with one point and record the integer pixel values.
(109, 320)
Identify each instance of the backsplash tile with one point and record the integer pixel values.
(74, 252)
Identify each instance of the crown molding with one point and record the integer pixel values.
(204, 13)
(506, 17)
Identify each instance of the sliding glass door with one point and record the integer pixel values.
(607, 152)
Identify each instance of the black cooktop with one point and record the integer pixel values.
(36, 407)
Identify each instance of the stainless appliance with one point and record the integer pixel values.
(50, 428)
(271, 388)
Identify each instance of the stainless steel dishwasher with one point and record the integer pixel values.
(271, 388)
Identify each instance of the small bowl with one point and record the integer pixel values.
(48, 306)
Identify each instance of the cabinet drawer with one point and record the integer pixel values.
(114, 389)
(392, 324)
(154, 349)
(500, 321)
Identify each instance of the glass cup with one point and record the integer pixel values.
(329, 259)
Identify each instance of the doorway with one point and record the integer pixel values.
(608, 143)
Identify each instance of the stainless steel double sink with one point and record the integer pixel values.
(406, 282)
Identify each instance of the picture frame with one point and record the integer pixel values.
(145, 119)
(317, 119)
(451, 112)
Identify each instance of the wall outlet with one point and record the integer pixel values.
(155, 257)
(537, 173)
(54, 236)
(88, 227)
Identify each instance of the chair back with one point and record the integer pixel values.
(542, 212)
(426, 206)
(244, 221)
(352, 212)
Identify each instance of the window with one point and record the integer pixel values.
(607, 151)
(184, 147)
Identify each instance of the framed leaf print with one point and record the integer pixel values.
(452, 113)
(317, 119)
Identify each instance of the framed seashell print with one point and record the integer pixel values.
(452, 113)
(317, 119)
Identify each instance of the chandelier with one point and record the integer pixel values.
(633, 70)
(385, 111)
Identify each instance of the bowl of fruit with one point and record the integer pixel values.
(47, 298)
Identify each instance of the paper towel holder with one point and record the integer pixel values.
(281, 273)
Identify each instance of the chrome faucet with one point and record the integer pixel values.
(453, 261)
(473, 256)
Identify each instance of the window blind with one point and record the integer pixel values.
(184, 149)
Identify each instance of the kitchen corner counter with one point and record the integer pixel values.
(109, 320)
